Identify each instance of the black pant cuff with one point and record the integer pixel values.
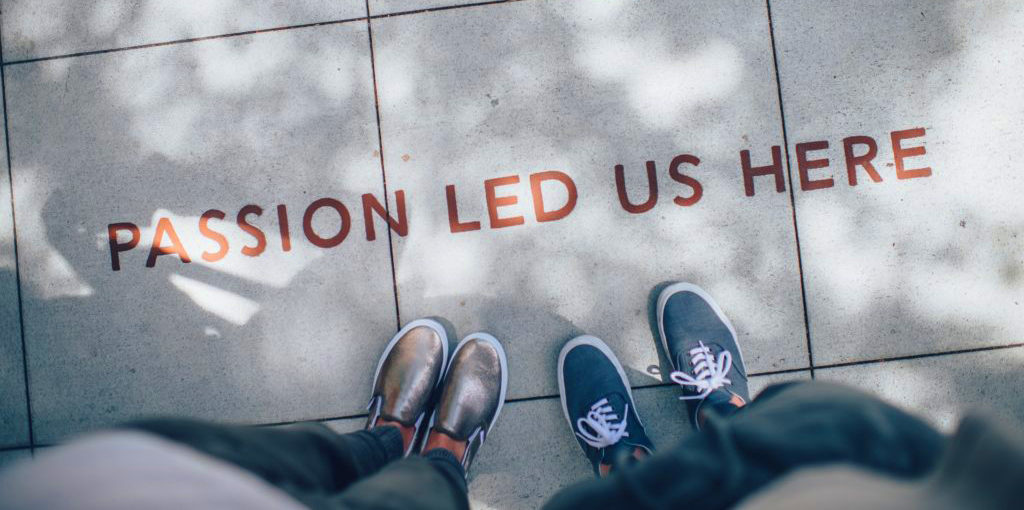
(390, 439)
(445, 462)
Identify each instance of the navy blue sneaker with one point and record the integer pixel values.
(599, 405)
(700, 342)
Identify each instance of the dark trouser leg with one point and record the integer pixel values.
(433, 481)
(316, 465)
(787, 427)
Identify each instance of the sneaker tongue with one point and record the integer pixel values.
(682, 360)
(617, 401)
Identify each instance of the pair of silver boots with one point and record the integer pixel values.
(416, 385)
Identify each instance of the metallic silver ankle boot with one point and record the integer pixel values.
(473, 394)
(407, 374)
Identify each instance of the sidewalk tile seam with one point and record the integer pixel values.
(383, 171)
(918, 356)
(792, 197)
(182, 41)
(250, 32)
(14, 244)
(641, 387)
(442, 8)
(534, 398)
(758, 374)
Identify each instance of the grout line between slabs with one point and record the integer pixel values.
(180, 41)
(442, 8)
(14, 243)
(756, 374)
(383, 172)
(255, 31)
(523, 399)
(332, 418)
(792, 193)
(919, 356)
(641, 387)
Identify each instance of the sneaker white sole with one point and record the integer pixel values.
(676, 288)
(597, 343)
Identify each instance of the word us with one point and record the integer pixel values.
(859, 152)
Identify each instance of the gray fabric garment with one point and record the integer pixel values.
(325, 470)
(983, 469)
(126, 470)
(840, 487)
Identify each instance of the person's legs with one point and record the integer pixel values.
(435, 480)
(739, 447)
(471, 399)
(180, 463)
(789, 426)
(305, 459)
(324, 469)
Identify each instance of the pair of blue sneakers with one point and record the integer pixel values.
(700, 343)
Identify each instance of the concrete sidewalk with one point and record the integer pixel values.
(843, 177)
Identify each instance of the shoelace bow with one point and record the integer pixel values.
(711, 372)
(599, 427)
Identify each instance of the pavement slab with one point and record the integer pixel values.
(942, 388)
(46, 28)
(13, 409)
(575, 99)
(271, 331)
(509, 143)
(933, 261)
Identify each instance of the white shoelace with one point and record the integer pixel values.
(711, 373)
(604, 430)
